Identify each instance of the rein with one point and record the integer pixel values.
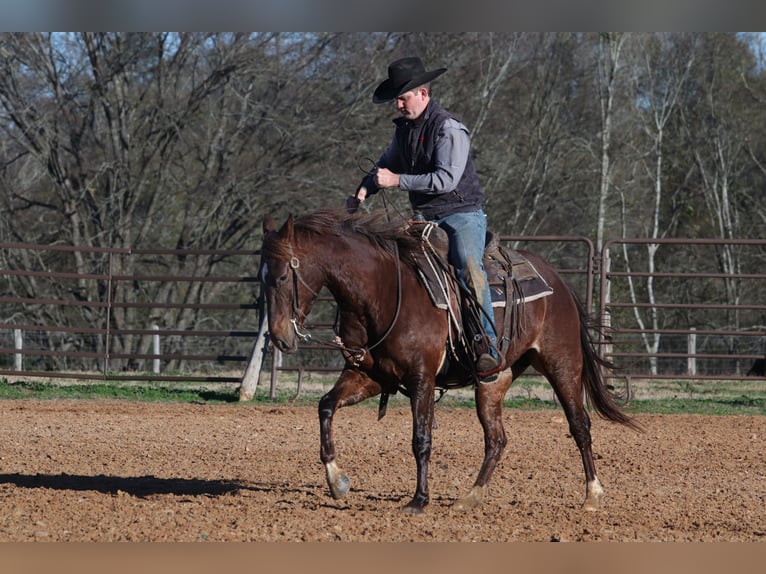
(371, 172)
(355, 356)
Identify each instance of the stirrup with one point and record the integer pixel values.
(488, 367)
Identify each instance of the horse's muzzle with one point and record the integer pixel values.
(285, 345)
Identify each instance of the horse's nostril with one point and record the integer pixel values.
(283, 345)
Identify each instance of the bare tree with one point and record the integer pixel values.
(661, 67)
(718, 124)
(188, 139)
(131, 140)
(609, 63)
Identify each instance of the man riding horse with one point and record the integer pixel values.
(429, 157)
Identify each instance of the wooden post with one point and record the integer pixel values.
(691, 348)
(252, 374)
(18, 344)
(156, 350)
(276, 363)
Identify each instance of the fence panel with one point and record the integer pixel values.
(690, 309)
(160, 314)
(125, 316)
(684, 308)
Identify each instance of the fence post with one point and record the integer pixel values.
(276, 362)
(18, 344)
(606, 317)
(252, 375)
(156, 350)
(691, 349)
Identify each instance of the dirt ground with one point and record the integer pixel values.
(123, 471)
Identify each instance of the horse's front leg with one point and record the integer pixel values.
(350, 388)
(422, 403)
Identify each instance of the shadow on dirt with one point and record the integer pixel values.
(134, 485)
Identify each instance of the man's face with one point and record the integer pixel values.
(412, 104)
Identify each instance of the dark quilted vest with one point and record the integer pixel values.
(414, 143)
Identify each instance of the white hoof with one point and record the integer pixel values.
(473, 499)
(593, 493)
(336, 480)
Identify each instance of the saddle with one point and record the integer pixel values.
(513, 280)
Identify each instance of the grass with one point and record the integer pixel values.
(741, 397)
(529, 393)
(143, 392)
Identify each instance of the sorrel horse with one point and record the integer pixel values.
(393, 338)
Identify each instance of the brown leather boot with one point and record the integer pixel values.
(487, 367)
(486, 363)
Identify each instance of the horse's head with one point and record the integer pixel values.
(288, 297)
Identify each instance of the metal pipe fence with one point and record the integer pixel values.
(688, 309)
(684, 308)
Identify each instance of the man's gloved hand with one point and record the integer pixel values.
(352, 204)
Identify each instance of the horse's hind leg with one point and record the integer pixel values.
(351, 388)
(570, 396)
(489, 407)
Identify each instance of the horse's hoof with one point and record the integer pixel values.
(593, 494)
(472, 500)
(590, 505)
(412, 510)
(340, 488)
(336, 480)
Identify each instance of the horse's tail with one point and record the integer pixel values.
(599, 395)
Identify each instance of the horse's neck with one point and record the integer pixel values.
(351, 269)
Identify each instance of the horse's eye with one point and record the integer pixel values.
(267, 275)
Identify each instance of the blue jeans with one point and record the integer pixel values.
(467, 235)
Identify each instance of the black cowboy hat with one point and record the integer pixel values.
(403, 75)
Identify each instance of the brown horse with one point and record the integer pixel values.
(395, 339)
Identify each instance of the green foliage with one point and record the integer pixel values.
(700, 397)
(715, 406)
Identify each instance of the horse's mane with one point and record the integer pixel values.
(377, 227)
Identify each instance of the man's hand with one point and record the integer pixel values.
(386, 178)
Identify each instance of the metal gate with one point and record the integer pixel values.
(684, 308)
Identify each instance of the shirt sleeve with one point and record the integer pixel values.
(450, 158)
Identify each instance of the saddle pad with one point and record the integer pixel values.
(529, 283)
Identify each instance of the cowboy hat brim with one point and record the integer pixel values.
(387, 91)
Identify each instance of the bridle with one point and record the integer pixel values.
(354, 355)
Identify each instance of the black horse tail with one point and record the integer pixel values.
(599, 395)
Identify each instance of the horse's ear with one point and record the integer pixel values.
(288, 230)
(268, 224)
